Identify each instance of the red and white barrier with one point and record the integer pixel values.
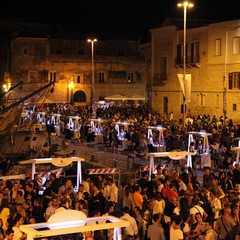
(58, 173)
(103, 171)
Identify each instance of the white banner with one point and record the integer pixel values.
(187, 85)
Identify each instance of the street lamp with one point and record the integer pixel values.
(185, 5)
(92, 41)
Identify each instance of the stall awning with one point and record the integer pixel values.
(124, 97)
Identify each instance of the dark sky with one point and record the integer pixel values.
(113, 17)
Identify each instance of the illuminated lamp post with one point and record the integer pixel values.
(185, 6)
(92, 41)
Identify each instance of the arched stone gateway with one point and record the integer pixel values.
(79, 97)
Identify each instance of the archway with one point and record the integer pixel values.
(79, 97)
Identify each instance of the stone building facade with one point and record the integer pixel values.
(212, 59)
(36, 56)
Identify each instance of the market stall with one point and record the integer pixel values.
(201, 150)
(121, 129)
(58, 162)
(174, 155)
(96, 125)
(160, 143)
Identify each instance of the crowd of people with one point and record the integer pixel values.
(138, 119)
(167, 205)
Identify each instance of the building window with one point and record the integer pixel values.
(25, 51)
(201, 99)
(130, 77)
(236, 45)
(52, 76)
(234, 80)
(80, 52)
(195, 52)
(101, 77)
(78, 78)
(58, 51)
(163, 68)
(217, 101)
(218, 45)
(121, 53)
(32, 76)
(165, 105)
(234, 107)
(180, 54)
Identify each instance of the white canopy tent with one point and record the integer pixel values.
(124, 97)
(59, 162)
(117, 124)
(71, 222)
(160, 129)
(173, 155)
(205, 149)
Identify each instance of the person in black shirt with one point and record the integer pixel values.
(144, 180)
(207, 177)
(184, 176)
(38, 211)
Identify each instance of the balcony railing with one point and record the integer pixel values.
(192, 61)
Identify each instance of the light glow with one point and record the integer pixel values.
(185, 4)
(92, 40)
(71, 85)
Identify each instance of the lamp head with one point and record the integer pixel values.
(185, 4)
(92, 40)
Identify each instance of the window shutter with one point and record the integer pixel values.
(186, 53)
(230, 81)
(239, 80)
(179, 54)
(192, 52)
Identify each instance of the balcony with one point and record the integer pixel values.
(191, 62)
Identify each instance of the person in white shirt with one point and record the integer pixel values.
(132, 230)
(197, 209)
(52, 207)
(210, 233)
(215, 204)
(175, 230)
(80, 192)
(110, 192)
(86, 183)
(182, 185)
(158, 204)
(17, 221)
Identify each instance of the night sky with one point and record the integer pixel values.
(132, 18)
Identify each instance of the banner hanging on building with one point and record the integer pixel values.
(187, 85)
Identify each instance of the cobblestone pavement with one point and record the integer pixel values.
(100, 156)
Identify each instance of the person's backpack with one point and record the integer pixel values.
(235, 230)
